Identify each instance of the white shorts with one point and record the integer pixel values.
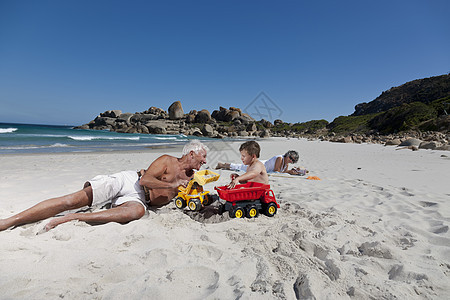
(116, 189)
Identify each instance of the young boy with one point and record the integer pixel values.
(256, 171)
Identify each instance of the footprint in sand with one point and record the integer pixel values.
(406, 243)
(61, 236)
(302, 288)
(440, 229)
(427, 204)
(397, 272)
(202, 279)
(131, 239)
(374, 249)
(209, 252)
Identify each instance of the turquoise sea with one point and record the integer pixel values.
(29, 138)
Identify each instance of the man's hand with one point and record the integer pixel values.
(181, 182)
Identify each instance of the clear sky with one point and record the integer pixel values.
(64, 62)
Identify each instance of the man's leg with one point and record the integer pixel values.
(129, 211)
(49, 208)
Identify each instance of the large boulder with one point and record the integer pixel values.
(345, 139)
(265, 123)
(264, 133)
(196, 132)
(245, 119)
(444, 147)
(251, 127)
(207, 130)
(190, 118)
(156, 127)
(220, 114)
(231, 115)
(143, 118)
(176, 111)
(160, 113)
(104, 121)
(236, 109)
(278, 122)
(203, 116)
(111, 113)
(412, 142)
(394, 142)
(429, 145)
(125, 117)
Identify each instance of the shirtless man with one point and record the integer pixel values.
(256, 171)
(124, 190)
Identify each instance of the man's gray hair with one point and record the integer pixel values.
(194, 145)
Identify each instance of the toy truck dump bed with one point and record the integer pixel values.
(248, 200)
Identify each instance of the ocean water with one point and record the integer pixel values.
(28, 138)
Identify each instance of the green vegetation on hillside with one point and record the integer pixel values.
(409, 116)
(310, 127)
(426, 90)
(351, 124)
(403, 118)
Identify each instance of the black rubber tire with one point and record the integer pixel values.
(195, 204)
(251, 211)
(180, 202)
(237, 212)
(271, 209)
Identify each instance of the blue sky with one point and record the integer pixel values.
(64, 62)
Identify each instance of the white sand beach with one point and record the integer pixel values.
(376, 226)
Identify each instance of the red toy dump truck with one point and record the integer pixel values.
(248, 200)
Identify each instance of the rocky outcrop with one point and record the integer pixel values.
(223, 123)
(232, 122)
(421, 90)
(409, 140)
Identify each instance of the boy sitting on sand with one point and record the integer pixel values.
(256, 171)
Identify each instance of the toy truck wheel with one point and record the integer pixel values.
(180, 203)
(195, 204)
(209, 199)
(271, 209)
(221, 209)
(237, 212)
(252, 211)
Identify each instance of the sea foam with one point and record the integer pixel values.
(7, 130)
(90, 138)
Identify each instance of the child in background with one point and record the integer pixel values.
(256, 171)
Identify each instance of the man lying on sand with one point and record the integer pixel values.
(128, 192)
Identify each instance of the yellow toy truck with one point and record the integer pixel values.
(193, 195)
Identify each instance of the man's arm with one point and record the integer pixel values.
(155, 171)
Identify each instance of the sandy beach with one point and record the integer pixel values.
(376, 226)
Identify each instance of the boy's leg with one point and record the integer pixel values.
(49, 208)
(124, 213)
